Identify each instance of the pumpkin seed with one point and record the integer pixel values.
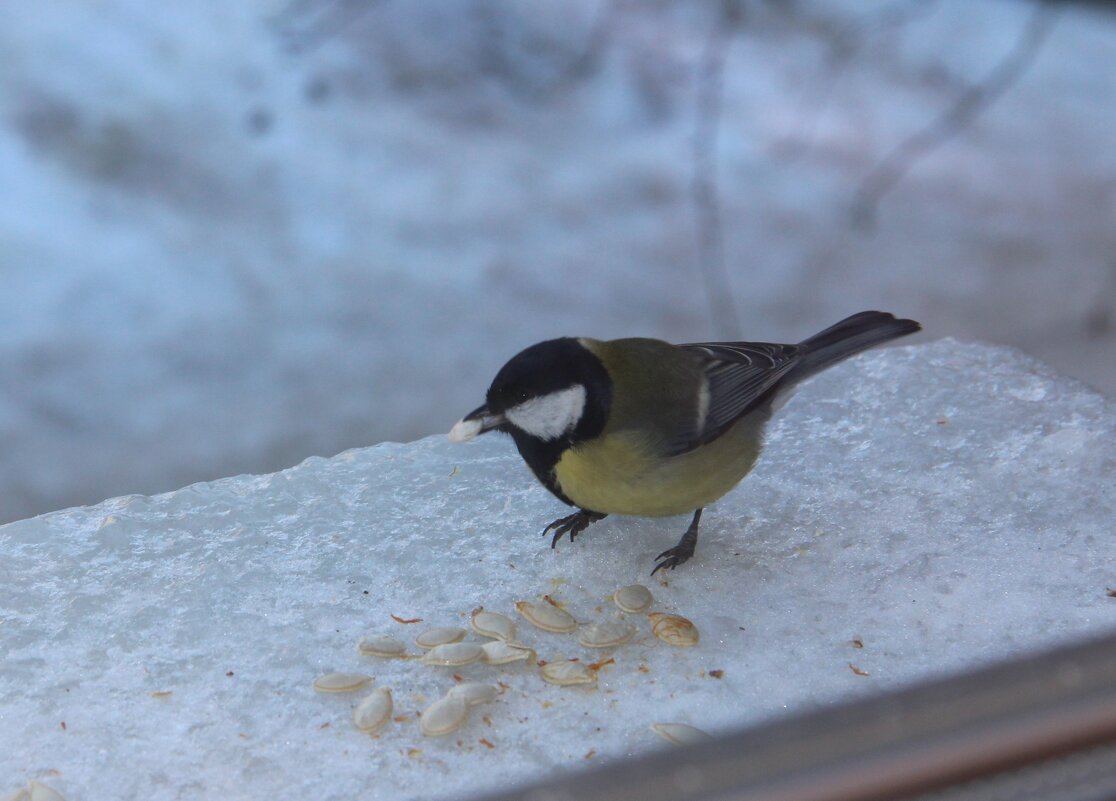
(680, 733)
(441, 636)
(673, 629)
(374, 711)
(633, 598)
(568, 672)
(474, 692)
(454, 654)
(547, 617)
(605, 635)
(444, 716)
(499, 652)
(341, 682)
(384, 646)
(493, 624)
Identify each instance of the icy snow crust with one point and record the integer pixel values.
(945, 504)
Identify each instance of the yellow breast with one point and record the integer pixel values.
(619, 473)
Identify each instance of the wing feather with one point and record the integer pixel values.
(739, 374)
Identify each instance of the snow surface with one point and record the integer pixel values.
(946, 504)
(235, 234)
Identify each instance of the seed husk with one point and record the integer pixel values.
(499, 652)
(674, 629)
(17, 795)
(383, 646)
(341, 682)
(633, 598)
(444, 716)
(440, 636)
(680, 733)
(493, 624)
(454, 654)
(374, 711)
(605, 635)
(37, 791)
(547, 617)
(474, 692)
(568, 672)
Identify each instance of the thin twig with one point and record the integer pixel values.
(710, 233)
(974, 100)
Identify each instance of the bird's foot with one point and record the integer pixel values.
(680, 553)
(572, 524)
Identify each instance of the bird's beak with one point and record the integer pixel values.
(475, 423)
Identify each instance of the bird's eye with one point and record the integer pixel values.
(521, 396)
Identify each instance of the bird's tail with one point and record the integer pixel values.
(847, 338)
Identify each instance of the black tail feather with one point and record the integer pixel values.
(847, 338)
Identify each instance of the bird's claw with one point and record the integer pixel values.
(671, 558)
(571, 524)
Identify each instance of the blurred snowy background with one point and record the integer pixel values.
(233, 235)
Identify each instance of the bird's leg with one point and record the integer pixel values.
(673, 557)
(572, 524)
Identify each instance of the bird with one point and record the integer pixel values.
(642, 427)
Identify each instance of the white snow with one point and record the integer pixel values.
(945, 504)
(220, 253)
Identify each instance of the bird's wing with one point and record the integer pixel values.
(739, 375)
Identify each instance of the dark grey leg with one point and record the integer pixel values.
(673, 557)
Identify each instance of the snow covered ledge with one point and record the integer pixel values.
(918, 510)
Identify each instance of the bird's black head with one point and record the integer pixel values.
(548, 397)
(555, 390)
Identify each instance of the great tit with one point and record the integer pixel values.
(642, 427)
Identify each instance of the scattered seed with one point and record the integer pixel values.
(444, 716)
(37, 791)
(633, 598)
(605, 635)
(374, 711)
(674, 629)
(499, 652)
(486, 743)
(453, 654)
(440, 636)
(595, 666)
(680, 733)
(398, 619)
(493, 624)
(568, 672)
(717, 674)
(160, 694)
(474, 692)
(384, 646)
(547, 617)
(857, 670)
(341, 682)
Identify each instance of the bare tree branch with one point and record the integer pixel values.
(893, 167)
(703, 187)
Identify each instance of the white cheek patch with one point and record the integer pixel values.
(549, 416)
